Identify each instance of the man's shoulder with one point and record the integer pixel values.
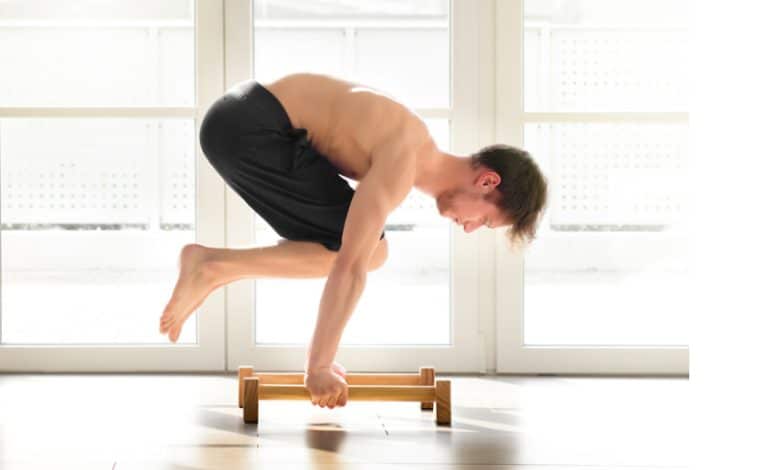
(401, 148)
(390, 177)
(394, 161)
(408, 134)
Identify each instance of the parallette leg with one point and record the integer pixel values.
(427, 376)
(443, 402)
(251, 400)
(243, 371)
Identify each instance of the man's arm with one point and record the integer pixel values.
(383, 188)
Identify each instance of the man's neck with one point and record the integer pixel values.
(440, 171)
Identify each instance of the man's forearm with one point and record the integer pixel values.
(339, 298)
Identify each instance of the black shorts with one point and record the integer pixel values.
(247, 137)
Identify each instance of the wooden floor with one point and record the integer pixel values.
(188, 422)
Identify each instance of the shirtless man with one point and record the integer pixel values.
(255, 137)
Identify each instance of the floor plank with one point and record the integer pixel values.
(124, 421)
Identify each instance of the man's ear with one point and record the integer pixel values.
(495, 178)
(489, 179)
(489, 188)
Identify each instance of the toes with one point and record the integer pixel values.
(174, 334)
(165, 322)
(168, 318)
(168, 311)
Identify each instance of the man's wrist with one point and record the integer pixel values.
(317, 360)
(310, 369)
(316, 363)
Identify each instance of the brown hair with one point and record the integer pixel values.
(522, 191)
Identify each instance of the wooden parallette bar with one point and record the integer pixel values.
(422, 387)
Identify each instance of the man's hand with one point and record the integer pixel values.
(327, 386)
(339, 369)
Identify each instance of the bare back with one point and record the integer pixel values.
(346, 121)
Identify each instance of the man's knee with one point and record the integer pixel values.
(379, 256)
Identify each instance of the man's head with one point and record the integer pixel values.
(507, 188)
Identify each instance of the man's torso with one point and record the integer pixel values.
(346, 121)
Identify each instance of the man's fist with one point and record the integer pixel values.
(327, 388)
(339, 369)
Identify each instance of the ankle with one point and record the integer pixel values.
(214, 271)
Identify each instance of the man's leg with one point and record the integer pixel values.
(204, 269)
(290, 259)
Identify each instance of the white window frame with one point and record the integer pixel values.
(512, 355)
(208, 354)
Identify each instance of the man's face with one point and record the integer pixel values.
(468, 208)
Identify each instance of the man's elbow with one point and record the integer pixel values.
(349, 265)
(379, 256)
(349, 274)
(361, 265)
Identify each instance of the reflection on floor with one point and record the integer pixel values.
(147, 421)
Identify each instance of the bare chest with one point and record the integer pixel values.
(345, 122)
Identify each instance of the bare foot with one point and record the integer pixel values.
(193, 286)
